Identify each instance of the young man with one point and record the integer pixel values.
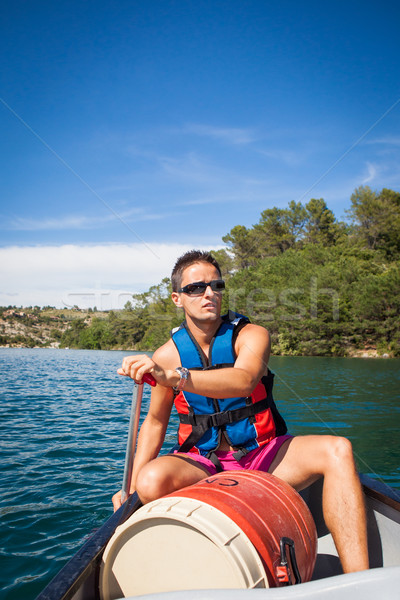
(216, 367)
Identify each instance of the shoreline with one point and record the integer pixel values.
(353, 353)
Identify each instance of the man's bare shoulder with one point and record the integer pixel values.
(251, 329)
(253, 347)
(252, 332)
(167, 355)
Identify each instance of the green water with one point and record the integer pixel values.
(63, 429)
(355, 398)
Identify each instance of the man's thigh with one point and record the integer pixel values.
(302, 460)
(172, 472)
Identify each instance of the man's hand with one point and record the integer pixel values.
(139, 364)
(116, 500)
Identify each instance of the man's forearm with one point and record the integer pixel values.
(221, 383)
(150, 441)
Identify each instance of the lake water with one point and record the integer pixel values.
(63, 431)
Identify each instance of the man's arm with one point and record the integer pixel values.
(152, 432)
(252, 347)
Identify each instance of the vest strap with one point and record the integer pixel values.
(215, 461)
(219, 419)
(201, 423)
(240, 453)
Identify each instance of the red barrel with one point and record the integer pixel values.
(271, 513)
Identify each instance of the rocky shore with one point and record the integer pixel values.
(36, 327)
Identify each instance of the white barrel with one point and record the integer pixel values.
(178, 544)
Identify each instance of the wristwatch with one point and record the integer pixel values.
(184, 374)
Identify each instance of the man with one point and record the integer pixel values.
(228, 417)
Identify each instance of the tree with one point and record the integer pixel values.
(321, 226)
(376, 218)
(225, 261)
(279, 229)
(241, 243)
(296, 217)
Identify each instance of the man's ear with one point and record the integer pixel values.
(176, 299)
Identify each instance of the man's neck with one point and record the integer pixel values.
(203, 331)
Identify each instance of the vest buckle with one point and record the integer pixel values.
(221, 418)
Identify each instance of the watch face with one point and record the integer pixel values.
(183, 373)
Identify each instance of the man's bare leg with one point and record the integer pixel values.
(166, 474)
(303, 460)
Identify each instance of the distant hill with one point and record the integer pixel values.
(39, 327)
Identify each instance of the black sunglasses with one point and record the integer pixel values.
(199, 287)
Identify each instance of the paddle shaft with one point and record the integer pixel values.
(136, 406)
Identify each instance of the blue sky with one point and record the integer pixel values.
(134, 130)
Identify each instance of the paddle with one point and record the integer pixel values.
(133, 431)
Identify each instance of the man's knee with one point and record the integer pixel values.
(149, 483)
(339, 450)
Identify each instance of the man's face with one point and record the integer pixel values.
(204, 307)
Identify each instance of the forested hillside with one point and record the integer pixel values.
(321, 286)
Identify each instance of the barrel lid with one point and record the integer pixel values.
(178, 544)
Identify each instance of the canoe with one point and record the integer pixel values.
(80, 578)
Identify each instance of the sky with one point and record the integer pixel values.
(132, 131)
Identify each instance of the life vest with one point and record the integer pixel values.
(247, 423)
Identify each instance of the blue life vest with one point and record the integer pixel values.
(247, 423)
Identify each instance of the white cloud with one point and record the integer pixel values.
(54, 223)
(389, 140)
(372, 174)
(79, 221)
(230, 135)
(288, 157)
(99, 275)
(195, 171)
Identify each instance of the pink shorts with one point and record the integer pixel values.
(259, 459)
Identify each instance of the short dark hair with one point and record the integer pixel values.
(190, 258)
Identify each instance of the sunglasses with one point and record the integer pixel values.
(199, 287)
